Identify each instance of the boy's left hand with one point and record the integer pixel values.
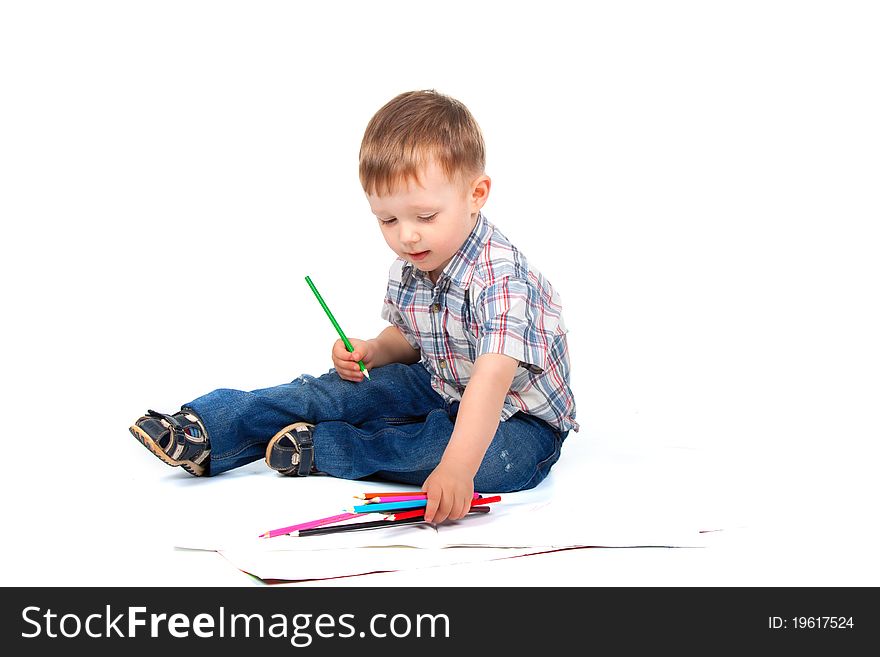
(450, 490)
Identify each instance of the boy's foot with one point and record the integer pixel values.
(178, 439)
(291, 451)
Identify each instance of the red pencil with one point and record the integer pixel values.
(403, 515)
(415, 513)
(486, 500)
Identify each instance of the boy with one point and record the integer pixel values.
(468, 386)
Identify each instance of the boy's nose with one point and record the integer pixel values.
(409, 236)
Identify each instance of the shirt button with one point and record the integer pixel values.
(442, 364)
(435, 307)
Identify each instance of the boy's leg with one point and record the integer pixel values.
(393, 449)
(520, 456)
(239, 424)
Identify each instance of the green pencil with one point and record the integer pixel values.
(336, 324)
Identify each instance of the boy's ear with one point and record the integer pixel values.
(480, 192)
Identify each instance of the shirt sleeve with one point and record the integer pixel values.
(511, 321)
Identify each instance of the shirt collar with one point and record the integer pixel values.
(460, 269)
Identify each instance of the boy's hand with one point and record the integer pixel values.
(346, 363)
(450, 490)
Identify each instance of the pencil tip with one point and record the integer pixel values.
(366, 373)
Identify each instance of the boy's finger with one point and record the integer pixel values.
(443, 509)
(431, 508)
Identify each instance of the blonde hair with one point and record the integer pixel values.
(409, 131)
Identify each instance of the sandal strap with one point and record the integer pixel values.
(302, 436)
(179, 437)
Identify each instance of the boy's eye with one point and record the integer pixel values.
(422, 217)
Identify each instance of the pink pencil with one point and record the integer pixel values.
(400, 498)
(311, 523)
(397, 497)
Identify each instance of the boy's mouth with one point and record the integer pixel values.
(421, 255)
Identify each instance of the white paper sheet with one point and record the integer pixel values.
(652, 498)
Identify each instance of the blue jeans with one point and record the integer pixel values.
(393, 426)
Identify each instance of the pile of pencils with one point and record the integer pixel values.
(396, 509)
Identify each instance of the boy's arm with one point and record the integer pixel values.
(391, 347)
(450, 487)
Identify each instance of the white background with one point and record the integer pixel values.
(698, 180)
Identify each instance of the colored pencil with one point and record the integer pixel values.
(368, 496)
(410, 504)
(407, 509)
(390, 521)
(336, 325)
(309, 525)
(417, 513)
(387, 506)
(400, 498)
(357, 526)
(476, 505)
(417, 493)
(412, 513)
(394, 498)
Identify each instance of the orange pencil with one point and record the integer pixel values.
(369, 496)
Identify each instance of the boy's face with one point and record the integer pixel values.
(427, 223)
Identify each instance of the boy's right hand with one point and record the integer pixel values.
(346, 363)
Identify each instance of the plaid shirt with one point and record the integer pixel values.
(488, 300)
